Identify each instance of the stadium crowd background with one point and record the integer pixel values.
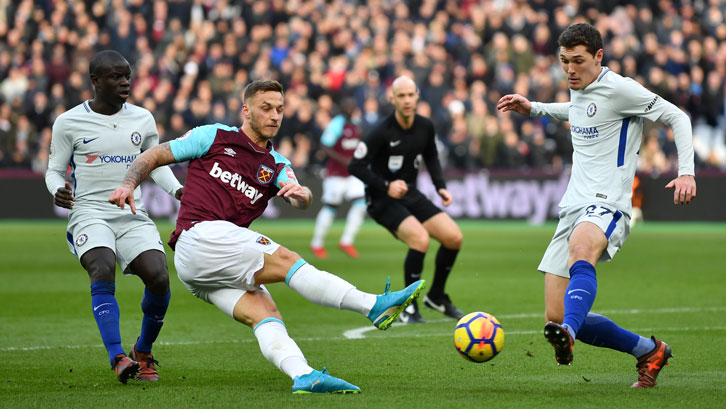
(191, 60)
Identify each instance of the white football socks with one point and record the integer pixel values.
(322, 224)
(277, 346)
(353, 221)
(329, 290)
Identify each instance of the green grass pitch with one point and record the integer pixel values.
(669, 281)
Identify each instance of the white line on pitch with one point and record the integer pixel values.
(359, 333)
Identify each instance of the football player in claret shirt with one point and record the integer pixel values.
(339, 142)
(99, 139)
(233, 173)
(606, 113)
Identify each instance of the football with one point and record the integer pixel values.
(478, 337)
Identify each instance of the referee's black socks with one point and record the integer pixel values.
(412, 266)
(445, 259)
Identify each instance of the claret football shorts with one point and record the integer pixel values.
(217, 261)
(615, 225)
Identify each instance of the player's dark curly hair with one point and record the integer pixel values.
(261, 86)
(581, 34)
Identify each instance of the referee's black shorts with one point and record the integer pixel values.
(390, 212)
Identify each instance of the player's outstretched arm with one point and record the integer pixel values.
(684, 189)
(516, 103)
(300, 197)
(140, 169)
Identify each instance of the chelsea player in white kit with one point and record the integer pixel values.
(606, 114)
(100, 139)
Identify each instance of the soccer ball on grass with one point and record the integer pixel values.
(478, 337)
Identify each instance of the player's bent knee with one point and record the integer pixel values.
(454, 241)
(100, 268)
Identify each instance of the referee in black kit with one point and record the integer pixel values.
(386, 161)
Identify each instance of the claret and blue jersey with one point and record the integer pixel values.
(229, 177)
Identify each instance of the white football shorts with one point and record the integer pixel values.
(217, 261)
(127, 235)
(336, 189)
(615, 225)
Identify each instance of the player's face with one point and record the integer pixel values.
(264, 113)
(581, 67)
(113, 84)
(405, 99)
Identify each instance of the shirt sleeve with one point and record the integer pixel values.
(556, 110)
(360, 166)
(286, 175)
(162, 176)
(61, 151)
(193, 144)
(333, 132)
(633, 99)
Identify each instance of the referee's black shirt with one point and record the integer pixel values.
(388, 152)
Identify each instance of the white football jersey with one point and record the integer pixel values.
(606, 125)
(100, 148)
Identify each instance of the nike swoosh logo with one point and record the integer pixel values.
(439, 308)
(85, 141)
(395, 143)
(578, 289)
(101, 305)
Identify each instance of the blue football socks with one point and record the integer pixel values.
(580, 295)
(154, 308)
(106, 312)
(601, 331)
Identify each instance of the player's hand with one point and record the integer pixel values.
(179, 193)
(123, 195)
(397, 189)
(64, 197)
(446, 197)
(299, 196)
(516, 103)
(684, 189)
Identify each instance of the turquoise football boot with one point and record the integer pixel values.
(389, 305)
(321, 382)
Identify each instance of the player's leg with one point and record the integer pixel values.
(256, 309)
(443, 228)
(587, 243)
(555, 288)
(412, 232)
(331, 198)
(93, 241)
(323, 288)
(397, 218)
(323, 221)
(100, 263)
(556, 279)
(151, 267)
(141, 252)
(355, 192)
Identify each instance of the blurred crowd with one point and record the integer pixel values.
(191, 60)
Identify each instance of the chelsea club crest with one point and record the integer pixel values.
(136, 138)
(591, 109)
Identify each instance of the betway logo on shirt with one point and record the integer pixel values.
(235, 180)
(587, 133)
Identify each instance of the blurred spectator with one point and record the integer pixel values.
(191, 60)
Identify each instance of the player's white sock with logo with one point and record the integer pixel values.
(277, 346)
(327, 289)
(353, 221)
(322, 224)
